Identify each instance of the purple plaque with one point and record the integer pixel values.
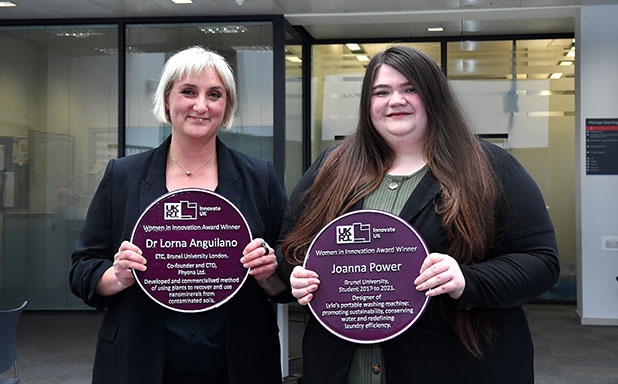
(367, 261)
(193, 241)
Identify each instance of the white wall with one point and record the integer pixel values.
(596, 91)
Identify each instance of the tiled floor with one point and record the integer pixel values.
(59, 347)
(569, 353)
(55, 348)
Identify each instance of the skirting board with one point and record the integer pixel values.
(598, 321)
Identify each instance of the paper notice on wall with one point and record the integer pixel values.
(8, 193)
(20, 151)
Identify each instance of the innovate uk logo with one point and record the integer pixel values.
(183, 210)
(354, 234)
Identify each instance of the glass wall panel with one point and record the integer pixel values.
(293, 115)
(58, 108)
(520, 94)
(337, 76)
(293, 171)
(248, 49)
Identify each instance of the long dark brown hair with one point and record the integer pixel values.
(356, 167)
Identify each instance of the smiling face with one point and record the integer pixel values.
(397, 111)
(196, 105)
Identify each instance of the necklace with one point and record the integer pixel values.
(187, 172)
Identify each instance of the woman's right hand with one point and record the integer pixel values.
(304, 282)
(120, 275)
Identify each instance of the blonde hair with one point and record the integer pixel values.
(193, 61)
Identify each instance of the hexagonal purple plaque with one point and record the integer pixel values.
(192, 240)
(367, 261)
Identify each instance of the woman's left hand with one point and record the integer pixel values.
(260, 257)
(440, 274)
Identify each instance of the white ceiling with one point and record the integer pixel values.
(340, 19)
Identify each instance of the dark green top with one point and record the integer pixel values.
(393, 192)
(367, 365)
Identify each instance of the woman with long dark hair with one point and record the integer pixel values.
(481, 215)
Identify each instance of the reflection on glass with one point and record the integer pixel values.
(520, 94)
(58, 107)
(248, 49)
(293, 115)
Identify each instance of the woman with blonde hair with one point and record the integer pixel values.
(140, 341)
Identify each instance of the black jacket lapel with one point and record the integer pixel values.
(153, 185)
(230, 183)
(423, 194)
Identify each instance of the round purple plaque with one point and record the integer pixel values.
(367, 261)
(192, 240)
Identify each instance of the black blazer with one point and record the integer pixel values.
(524, 264)
(131, 347)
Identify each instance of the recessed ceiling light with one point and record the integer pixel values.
(74, 32)
(293, 59)
(182, 1)
(224, 29)
(571, 52)
(7, 4)
(556, 75)
(565, 62)
(435, 29)
(362, 57)
(252, 48)
(354, 47)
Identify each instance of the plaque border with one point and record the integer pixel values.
(425, 303)
(165, 196)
